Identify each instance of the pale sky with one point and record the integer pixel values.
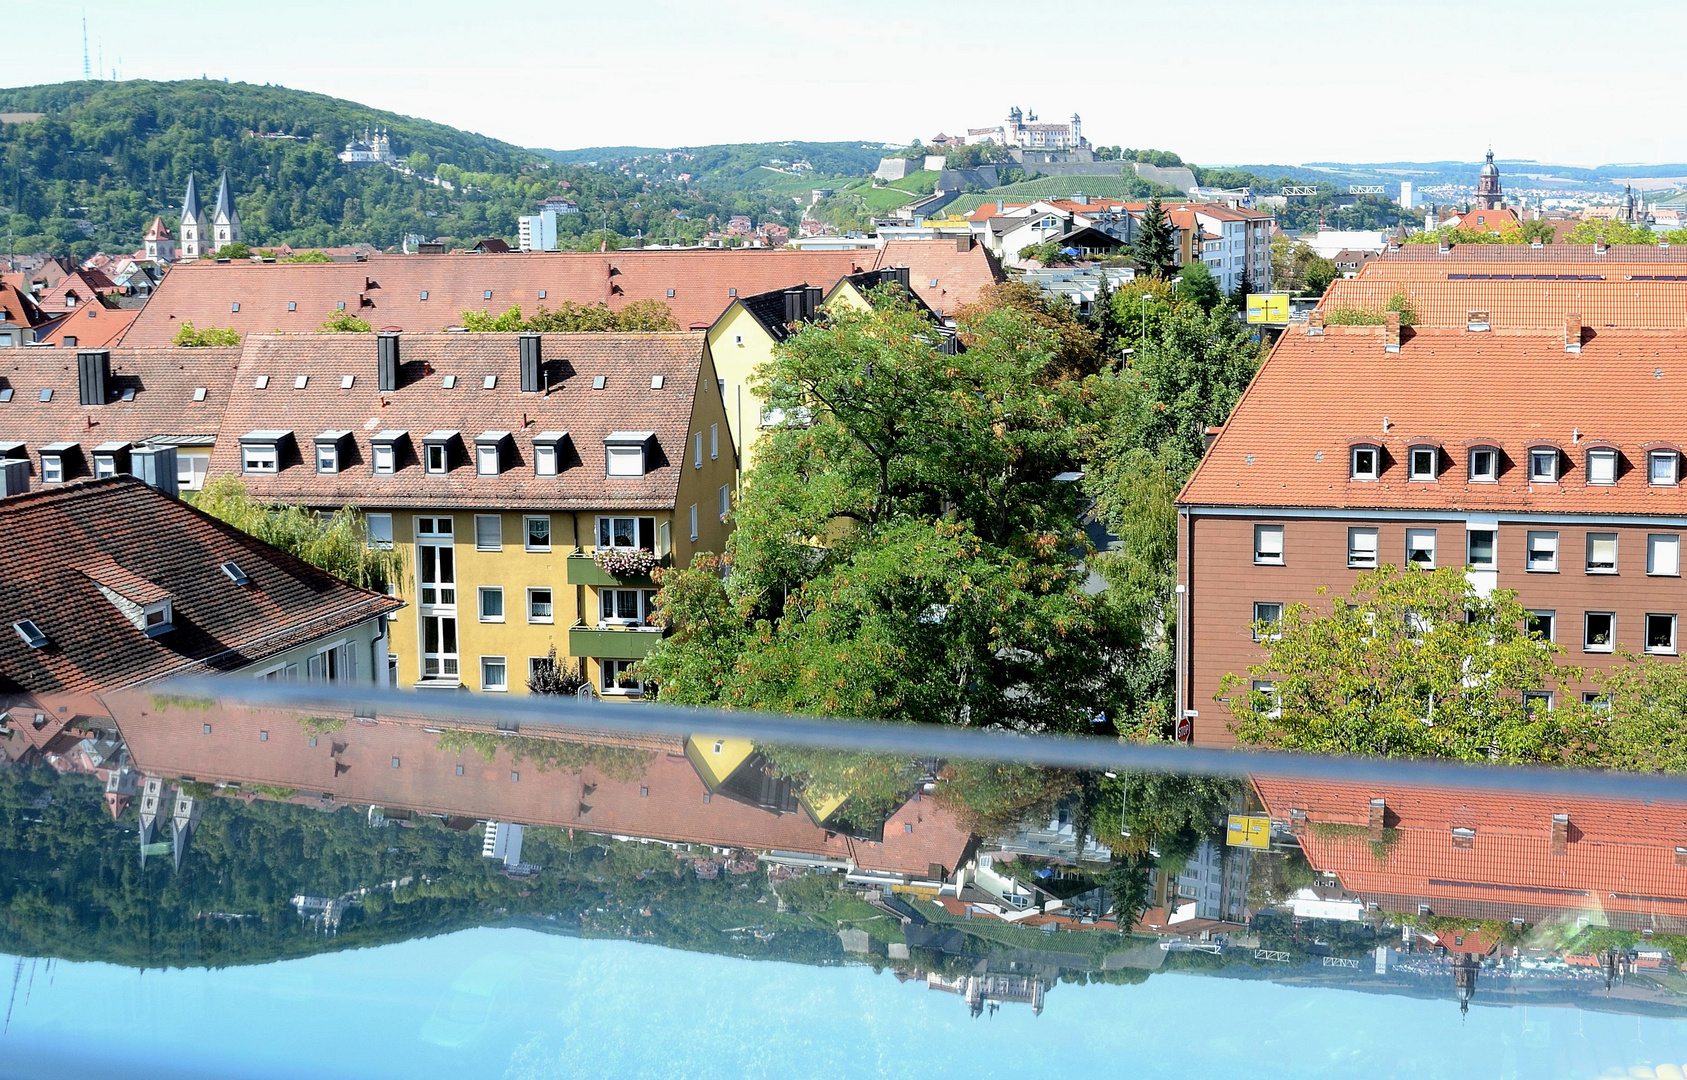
(1223, 82)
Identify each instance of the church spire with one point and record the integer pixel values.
(191, 210)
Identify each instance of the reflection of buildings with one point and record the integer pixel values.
(1493, 855)
(991, 990)
(627, 791)
(184, 818)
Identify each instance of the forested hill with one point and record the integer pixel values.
(106, 156)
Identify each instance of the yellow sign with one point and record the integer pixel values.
(1244, 831)
(1271, 308)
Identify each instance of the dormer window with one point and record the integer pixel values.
(111, 458)
(329, 450)
(1602, 466)
(1425, 462)
(436, 451)
(489, 452)
(1663, 468)
(1543, 465)
(625, 452)
(1366, 462)
(158, 618)
(385, 446)
(55, 461)
(547, 453)
(1484, 465)
(260, 451)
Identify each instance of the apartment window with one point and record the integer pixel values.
(714, 441)
(1420, 548)
(1268, 617)
(1531, 698)
(1599, 703)
(1663, 555)
(1543, 466)
(488, 532)
(538, 532)
(1479, 548)
(725, 500)
(1362, 548)
(378, 527)
(1542, 555)
(436, 457)
(1272, 699)
(254, 458)
(52, 469)
(617, 678)
(386, 458)
(697, 450)
(1601, 553)
(1268, 544)
(1602, 467)
(626, 607)
(1660, 633)
(1543, 624)
(1663, 468)
(491, 603)
(693, 522)
(1425, 463)
(439, 647)
(1484, 465)
(625, 460)
(1599, 631)
(539, 665)
(494, 674)
(625, 533)
(486, 459)
(1366, 462)
(436, 563)
(327, 457)
(539, 606)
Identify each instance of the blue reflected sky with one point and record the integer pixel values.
(516, 1003)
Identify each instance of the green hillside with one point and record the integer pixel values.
(107, 156)
(1060, 187)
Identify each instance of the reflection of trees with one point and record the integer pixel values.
(876, 785)
(991, 798)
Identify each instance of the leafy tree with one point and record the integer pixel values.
(1156, 245)
(572, 318)
(234, 251)
(1316, 278)
(1642, 718)
(189, 338)
(1188, 379)
(1078, 350)
(1199, 286)
(1411, 662)
(344, 322)
(1610, 232)
(307, 257)
(1536, 231)
(550, 678)
(1048, 253)
(1104, 321)
(1398, 302)
(338, 543)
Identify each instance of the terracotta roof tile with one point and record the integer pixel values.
(1286, 443)
(63, 542)
(1440, 301)
(93, 326)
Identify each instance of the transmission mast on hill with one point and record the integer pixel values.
(86, 73)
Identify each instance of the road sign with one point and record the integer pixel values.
(1247, 831)
(1269, 308)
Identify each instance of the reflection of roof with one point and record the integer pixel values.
(1616, 857)
(1315, 395)
(665, 800)
(701, 284)
(64, 542)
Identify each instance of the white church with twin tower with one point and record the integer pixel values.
(200, 236)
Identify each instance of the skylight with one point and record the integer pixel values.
(47, 394)
(235, 574)
(656, 382)
(490, 382)
(346, 381)
(424, 294)
(292, 305)
(128, 393)
(6, 394)
(487, 295)
(541, 294)
(199, 393)
(262, 383)
(31, 634)
(300, 381)
(449, 382)
(234, 306)
(597, 382)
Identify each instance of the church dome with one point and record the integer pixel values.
(1490, 169)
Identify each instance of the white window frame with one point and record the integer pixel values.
(52, 468)
(1376, 549)
(191, 468)
(1529, 698)
(624, 454)
(259, 459)
(612, 545)
(480, 521)
(527, 532)
(481, 593)
(502, 663)
(1674, 625)
(644, 600)
(1267, 686)
(1470, 548)
(609, 687)
(1550, 617)
(487, 458)
(1259, 607)
(546, 459)
(105, 466)
(1541, 566)
(1354, 472)
(1263, 557)
(446, 664)
(697, 450)
(1607, 459)
(430, 537)
(1610, 642)
(1657, 542)
(1614, 538)
(714, 441)
(725, 501)
(532, 616)
(1542, 455)
(1418, 535)
(694, 533)
(436, 451)
(378, 528)
(1492, 475)
(1412, 471)
(327, 454)
(384, 461)
(1665, 464)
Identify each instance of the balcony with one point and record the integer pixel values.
(612, 642)
(584, 570)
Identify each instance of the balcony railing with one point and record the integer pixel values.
(612, 642)
(584, 570)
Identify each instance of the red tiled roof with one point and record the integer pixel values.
(1617, 856)
(422, 405)
(19, 307)
(1548, 258)
(666, 801)
(94, 326)
(164, 382)
(1480, 220)
(1286, 443)
(63, 542)
(387, 289)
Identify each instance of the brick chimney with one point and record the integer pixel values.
(1391, 331)
(1207, 438)
(1560, 834)
(1315, 324)
(1374, 824)
(1572, 332)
